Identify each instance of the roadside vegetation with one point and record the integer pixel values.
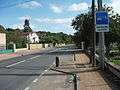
(17, 36)
(84, 33)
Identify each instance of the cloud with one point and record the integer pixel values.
(46, 24)
(56, 9)
(24, 17)
(30, 5)
(116, 5)
(78, 7)
(18, 25)
(54, 21)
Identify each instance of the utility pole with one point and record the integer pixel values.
(101, 40)
(94, 33)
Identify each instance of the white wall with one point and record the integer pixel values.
(33, 38)
(2, 41)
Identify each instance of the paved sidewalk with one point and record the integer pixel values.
(89, 78)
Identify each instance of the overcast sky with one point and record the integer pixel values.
(46, 15)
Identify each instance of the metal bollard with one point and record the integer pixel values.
(75, 82)
(74, 56)
(57, 61)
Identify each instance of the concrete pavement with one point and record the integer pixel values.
(89, 78)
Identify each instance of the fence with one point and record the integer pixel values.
(115, 69)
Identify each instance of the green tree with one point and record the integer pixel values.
(2, 29)
(84, 30)
(114, 34)
(15, 36)
(83, 26)
(48, 37)
(27, 27)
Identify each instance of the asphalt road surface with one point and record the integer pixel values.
(18, 73)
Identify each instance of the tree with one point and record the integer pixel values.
(27, 26)
(83, 25)
(48, 37)
(2, 29)
(114, 34)
(15, 36)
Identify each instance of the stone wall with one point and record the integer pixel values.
(35, 46)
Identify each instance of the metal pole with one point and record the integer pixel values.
(74, 56)
(57, 61)
(101, 40)
(75, 82)
(94, 33)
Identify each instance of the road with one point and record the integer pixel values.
(17, 73)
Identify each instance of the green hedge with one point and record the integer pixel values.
(20, 45)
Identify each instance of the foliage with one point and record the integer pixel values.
(27, 27)
(15, 36)
(117, 62)
(114, 34)
(2, 29)
(84, 32)
(47, 37)
(83, 26)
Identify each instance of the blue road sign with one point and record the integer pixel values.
(102, 21)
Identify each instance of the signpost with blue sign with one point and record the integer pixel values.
(101, 21)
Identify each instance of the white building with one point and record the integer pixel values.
(2, 41)
(32, 37)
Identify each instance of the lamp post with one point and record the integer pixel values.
(94, 33)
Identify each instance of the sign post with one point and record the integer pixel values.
(101, 26)
(101, 21)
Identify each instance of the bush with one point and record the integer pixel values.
(20, 45)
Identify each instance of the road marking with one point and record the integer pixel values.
(35, 80)
(46, 70)
(22, 61)
(15, 63)
(39, 77)
(35, 57)
(27, 88)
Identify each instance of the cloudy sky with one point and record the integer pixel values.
(45, 15)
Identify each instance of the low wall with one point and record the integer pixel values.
(35, 46)
(59, 45)
(17, 50)
(46, 45)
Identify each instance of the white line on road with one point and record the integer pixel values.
(35, 80)
(27, 88)
(22, 61)
(39, 78)
(15, 63)
(46, 70)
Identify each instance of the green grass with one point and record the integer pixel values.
(117, 62)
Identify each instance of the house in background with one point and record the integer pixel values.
(2, 41)
(32, 37)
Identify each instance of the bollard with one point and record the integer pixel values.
(74, 56)
(75, 82)
(57, 61)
